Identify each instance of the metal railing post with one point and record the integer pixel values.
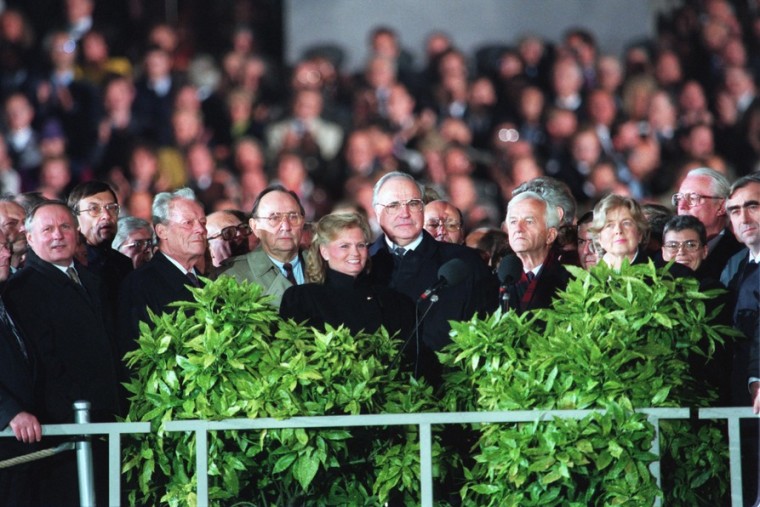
(84, 457)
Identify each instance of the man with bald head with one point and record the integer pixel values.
(444, 222)
(407, 258)
(703, 194)
(227, 236)
(277, 220)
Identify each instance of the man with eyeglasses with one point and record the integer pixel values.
(227, 236)
(444, 222)
(180, 225)
(684, 240)
(277, 219)
(703, 194)
(407, 258)
(12, 225)
(742, 278)
(134, 238)
(588, 255)
(97, 210)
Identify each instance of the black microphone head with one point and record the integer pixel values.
(510, 269)
(454, 272)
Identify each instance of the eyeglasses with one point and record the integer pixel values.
(276, 219)
(94, 210)
(449, 226)
(393, 208)
(590, 242)
(140, 244)
(675, 246)
(229, 233)
(692, 198)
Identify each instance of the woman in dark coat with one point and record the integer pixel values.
(338, 263)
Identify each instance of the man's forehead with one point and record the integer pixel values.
(11, 209)
(526, 207)
(690, 233)
(698, 183)
(221, 221)
(185, 207)
(749, 193)
(400, 186)
(104, 196)
(278, 202)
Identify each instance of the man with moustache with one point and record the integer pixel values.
(12, 225)
(277, 220)
(57, 303)
(227, 236)
(180, 225)
(94, 203)
(444, 222)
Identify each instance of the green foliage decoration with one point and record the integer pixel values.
(613, 340)
(227, 354)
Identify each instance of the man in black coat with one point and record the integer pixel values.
(19, 401)
(703, 195)
(58, 305)
(95, 205)
(398, 204)
(180, 225)
(532, 227)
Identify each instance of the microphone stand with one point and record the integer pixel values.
(414, 334)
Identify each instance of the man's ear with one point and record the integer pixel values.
(722, 209)
(551, 235)
(160, 231)
(252, 225)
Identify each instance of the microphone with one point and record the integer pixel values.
(509, 272)
(450, 274)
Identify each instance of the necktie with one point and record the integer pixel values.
(8, 322)
(288, 267)
(530, 275)
(399, 251)
(193, 279)
(73, 275)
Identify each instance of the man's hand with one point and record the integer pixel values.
(754, 388)
(26, 427)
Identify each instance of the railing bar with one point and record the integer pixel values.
(114, 469)
(426, 465)
(201, 463)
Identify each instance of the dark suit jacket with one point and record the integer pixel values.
(551, 278)
(17, 376)
(418, 271)
(112, 267)
(353, 302)
(716, 260)
(68, 327)
(154, 285)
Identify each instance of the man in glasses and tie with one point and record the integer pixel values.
(135, 239)
(444, 222)
(703, 195)
(407, 258)
(277, 219)
(94, 203)
(58, 305)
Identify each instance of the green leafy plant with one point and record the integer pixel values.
(227, 354)
(614, 341)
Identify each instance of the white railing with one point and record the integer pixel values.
(423, 420)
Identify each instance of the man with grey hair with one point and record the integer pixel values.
(135, 239)
(12, 225)
(407, 258)
(532, 224)
(180, 225)
(702, 194)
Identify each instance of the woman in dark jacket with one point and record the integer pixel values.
(338, 262)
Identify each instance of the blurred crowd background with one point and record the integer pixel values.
(153, 96)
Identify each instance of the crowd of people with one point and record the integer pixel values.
(401, 196)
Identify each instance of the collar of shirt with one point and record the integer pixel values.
(535, 270)
(411, 246)
(297, 268)
(754, 258)
(180, 266)
(64, 268)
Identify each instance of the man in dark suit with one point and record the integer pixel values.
(19, 401)
(703, 195)
(742, 277)
(95, 205)
(407, 258)
(180, 225)
(532, 227)
(58, 304)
